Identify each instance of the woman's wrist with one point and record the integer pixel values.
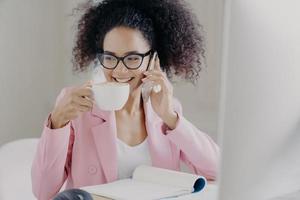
(56, 121)
(171, 120)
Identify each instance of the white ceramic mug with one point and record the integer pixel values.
(111, 96)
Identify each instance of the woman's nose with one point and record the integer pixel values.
(121, 68)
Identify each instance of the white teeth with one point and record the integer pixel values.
(122, 80)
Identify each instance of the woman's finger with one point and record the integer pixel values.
(83, 108)
(90, 99)
(80, 101)
(85, 92)
(157, 73)
(159, 82)
(87, 84)
(158, 78)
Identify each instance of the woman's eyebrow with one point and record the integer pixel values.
(126, 53)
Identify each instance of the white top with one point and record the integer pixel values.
(129, 157)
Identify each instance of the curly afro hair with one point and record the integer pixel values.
(168, 26)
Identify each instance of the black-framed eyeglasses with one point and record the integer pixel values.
(131, 61)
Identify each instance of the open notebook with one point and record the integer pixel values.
(149, 182)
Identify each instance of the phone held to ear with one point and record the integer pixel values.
(149, 86)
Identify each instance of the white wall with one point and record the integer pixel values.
(30, 64)
(200, 103)
(260, 118)
(36, 40)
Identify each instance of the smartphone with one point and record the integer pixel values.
(147, 87)
(152, 61)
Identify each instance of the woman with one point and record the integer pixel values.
(84, 145)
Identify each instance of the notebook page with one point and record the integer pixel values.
(186, 181)
(129, 189)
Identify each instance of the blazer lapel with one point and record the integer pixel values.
(159, 147)
(105, 140)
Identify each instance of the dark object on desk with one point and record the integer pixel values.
(73, 194)
(199, 184)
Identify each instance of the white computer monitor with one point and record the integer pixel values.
(260, 100)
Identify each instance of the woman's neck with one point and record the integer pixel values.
(134, 105)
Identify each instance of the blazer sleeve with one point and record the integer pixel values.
(52, 160)
(197, 149)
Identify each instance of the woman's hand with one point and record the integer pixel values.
(75, 101)
(162, 101)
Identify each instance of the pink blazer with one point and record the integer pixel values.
(84, 152)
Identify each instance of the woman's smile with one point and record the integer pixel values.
(122, 80)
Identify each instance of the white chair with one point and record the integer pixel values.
(15, 172)
(15, 169)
